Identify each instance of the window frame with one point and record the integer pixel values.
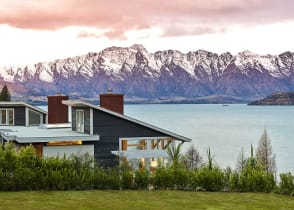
(7, 116)
(40, 114)
(80, 127)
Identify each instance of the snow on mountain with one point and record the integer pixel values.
(170, 73)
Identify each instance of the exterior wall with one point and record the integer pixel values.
(54, 151)
(86, 118)
(19, 114)
(110, 129)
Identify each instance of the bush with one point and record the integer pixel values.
(142, 180)
(286, 185)
(256, 181)
(24, 170)
(208, 179)
(234, 182)
(163, 178)
(181, 178)
(106, 178)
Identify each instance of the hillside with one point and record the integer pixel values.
(276, 99)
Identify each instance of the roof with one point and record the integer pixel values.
(19, 104)
(35, 134)
(79, 103)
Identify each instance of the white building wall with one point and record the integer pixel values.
(54, 151)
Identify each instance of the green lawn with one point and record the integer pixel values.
(142, 200)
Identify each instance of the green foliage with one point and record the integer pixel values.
(256, 180)
(209, 160)
(208, 179)
(174, 153)
(241, 162)
(4, 94)
(106, 178)
(126, 175)
(252, 177)
(24, 170)
(142, 179)
(286, 185)
(163, 178)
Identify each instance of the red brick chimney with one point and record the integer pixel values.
(113, 102)
(57, 112)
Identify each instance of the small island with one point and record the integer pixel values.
(276, 99)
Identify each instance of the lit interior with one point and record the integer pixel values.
(64, 143)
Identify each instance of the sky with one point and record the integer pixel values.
(34, 31)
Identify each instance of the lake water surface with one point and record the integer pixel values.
(225, 129)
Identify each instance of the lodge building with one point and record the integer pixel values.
(77, 127)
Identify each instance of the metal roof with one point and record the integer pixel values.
(34, 134)
(79, 103)
(20, 103)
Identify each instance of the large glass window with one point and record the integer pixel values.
(6, 116)
(133, 145)
(80, 121)
(34, 118)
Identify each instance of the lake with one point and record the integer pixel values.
(225, 129)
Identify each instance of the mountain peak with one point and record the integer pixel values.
(170, 73)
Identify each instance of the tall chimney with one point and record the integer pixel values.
(57, 112)
(113, 102)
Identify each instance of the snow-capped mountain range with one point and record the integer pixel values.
(163, 74)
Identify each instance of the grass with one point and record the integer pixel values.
(142, 200)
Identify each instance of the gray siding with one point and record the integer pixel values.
(86, 118)
(110, 129)
(19, 114)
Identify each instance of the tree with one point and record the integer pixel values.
(264, 153)
(192, 158)
(241, 162)
(251, 161)
(209, 160)
(4, 94)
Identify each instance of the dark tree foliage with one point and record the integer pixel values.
(4, 94)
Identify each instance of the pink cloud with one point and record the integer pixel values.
(176, 18)
(85, 34)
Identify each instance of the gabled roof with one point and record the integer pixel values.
(85, 104)
(20, 103)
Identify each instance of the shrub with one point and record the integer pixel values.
(142, 179)
(255, 180)
(286, 185)
(163, 178)
(208, 179)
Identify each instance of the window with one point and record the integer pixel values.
(34, 118)
(133, 145)
(6, 116)
(80, 121)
